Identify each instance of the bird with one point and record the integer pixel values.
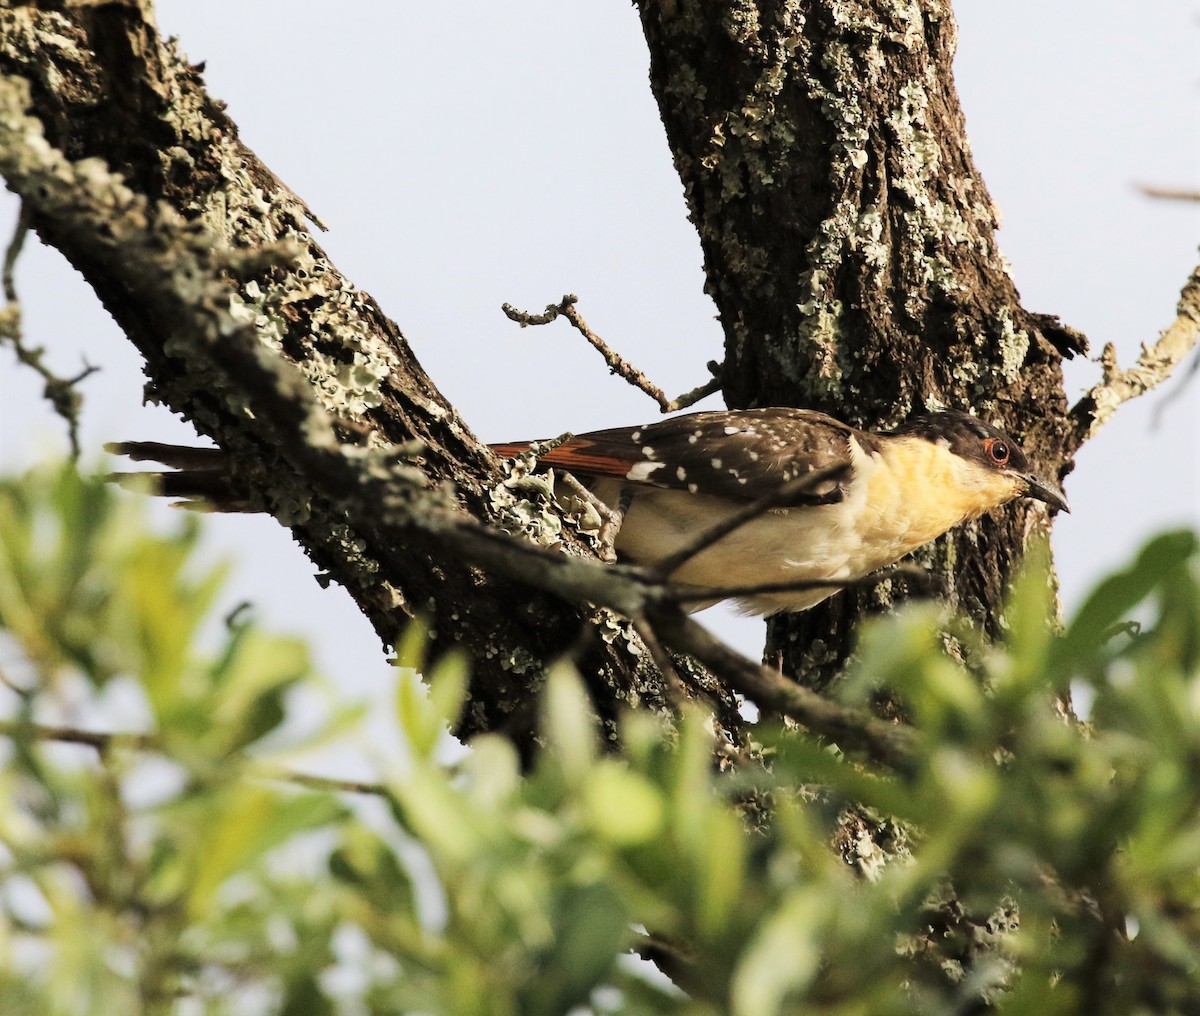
(876, 497)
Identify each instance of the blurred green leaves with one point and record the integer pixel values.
(1008, 866)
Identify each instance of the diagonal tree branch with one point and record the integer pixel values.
(206, 262)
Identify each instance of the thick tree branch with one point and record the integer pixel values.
(174, 270)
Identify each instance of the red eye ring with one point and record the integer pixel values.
(997, 450)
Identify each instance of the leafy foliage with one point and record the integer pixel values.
(1038, 864)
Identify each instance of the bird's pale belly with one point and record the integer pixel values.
(802, 545)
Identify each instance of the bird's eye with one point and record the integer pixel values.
(997, 450)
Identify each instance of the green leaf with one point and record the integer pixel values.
(370, 866)
(1112, 600)
(1030, 618)
(622, 807)
(420, 721)
(410, 650)
(782, 958)
(448, 687)
(591, 927)
(253, 821)
(569, 723)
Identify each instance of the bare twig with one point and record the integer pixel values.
(1168, 193)
(60, 392)
(616, 518)
(699, 594)
(1154, 366)
(676, 694)
(616, 363)
(540, 448)
(327, 783)
(703, 391)
(15, 246)
(98, 740)
(790, 491)
(103, 742)
(7, 682)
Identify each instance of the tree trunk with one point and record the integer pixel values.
(849, 245)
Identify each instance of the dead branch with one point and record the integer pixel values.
(1169, 193)
(224, 258)
(1155, 365)
(62, 393)
(616, 363)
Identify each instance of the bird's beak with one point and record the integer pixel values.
(1043, 491)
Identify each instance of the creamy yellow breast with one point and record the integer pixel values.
(919, 489)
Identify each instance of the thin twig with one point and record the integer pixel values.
(1154, 366)
(15, 246)
(616, 363)
(710, 387)
(326, 783)
(676, 694)
(787, 492)
(699, 594)
(104, 742)
(60, 392)
(16, 689)
(540, 448)
(98, 740)
(1169, 193)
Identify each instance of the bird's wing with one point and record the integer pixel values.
(735, 454)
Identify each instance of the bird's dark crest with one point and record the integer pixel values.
(965, 434)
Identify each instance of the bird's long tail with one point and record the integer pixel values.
(199, 479)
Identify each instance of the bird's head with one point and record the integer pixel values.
(986, 459)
